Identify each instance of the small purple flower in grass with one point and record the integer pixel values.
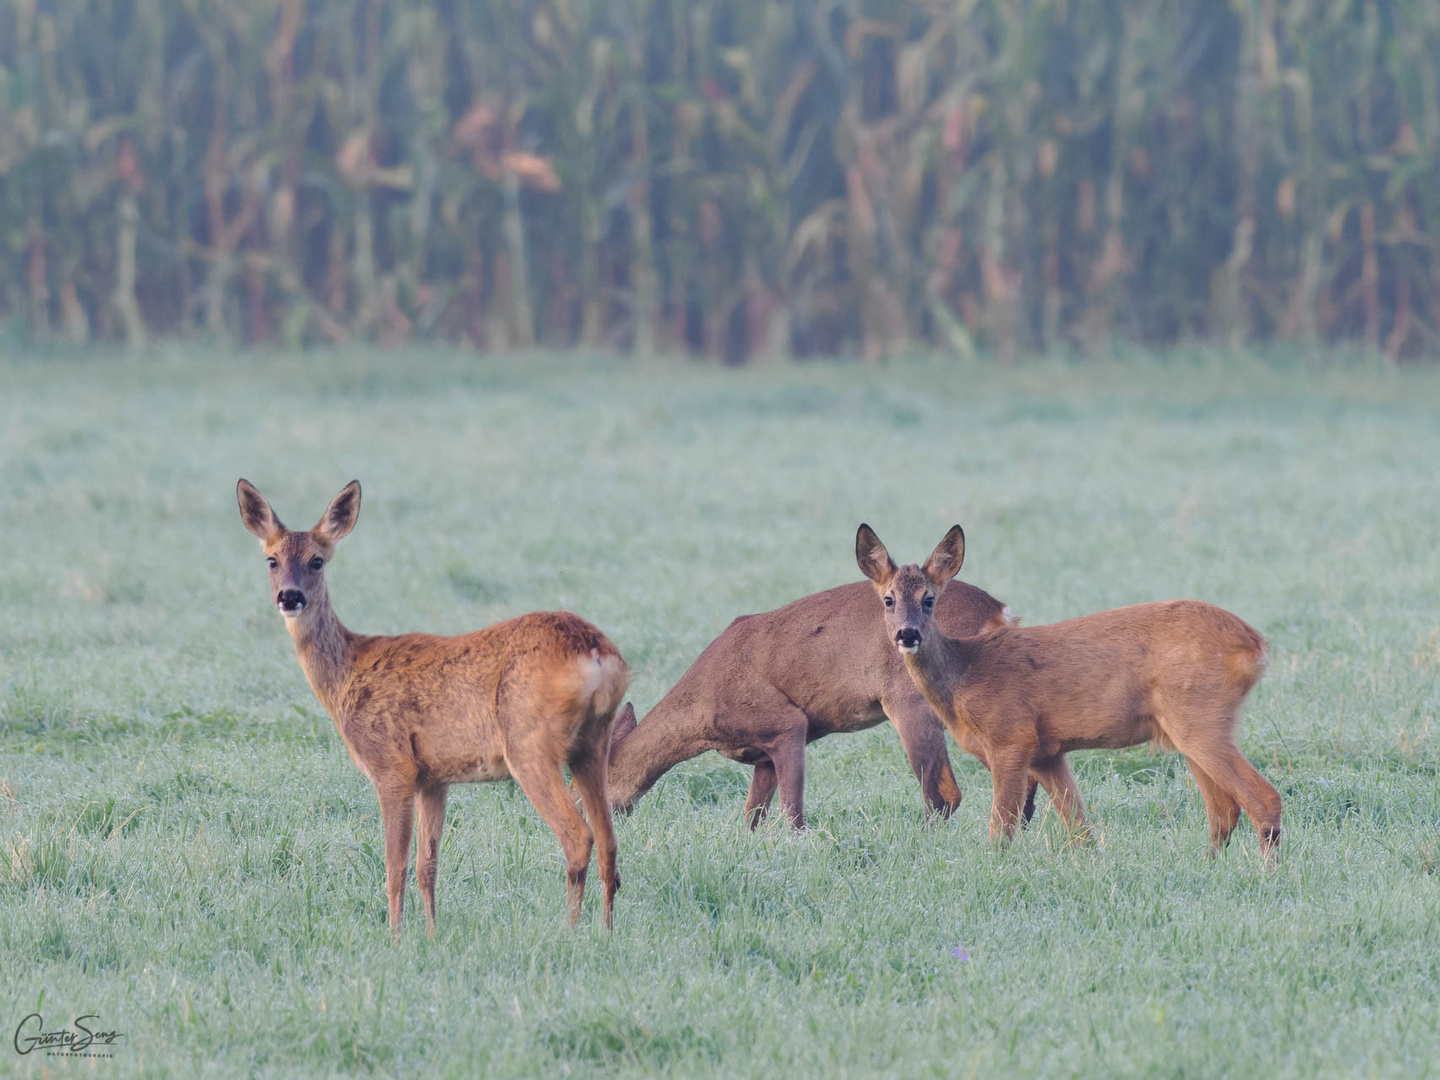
(960, 953)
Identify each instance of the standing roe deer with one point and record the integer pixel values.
(775, 681)
(1174, 673)
(418, 713)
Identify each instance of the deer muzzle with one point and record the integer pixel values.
(907, 639)
(291, 602)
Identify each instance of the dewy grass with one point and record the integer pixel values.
(187, 851)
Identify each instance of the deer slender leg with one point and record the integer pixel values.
(1220, 807)
(1260, 800)
(1059, 783)
(590, 777)
(1010, 776)
(430, 823)
(762, 790)
(924, 741)
(1233, 774)
(543, 784)
(397, 814)
(788, 758)
(768, 723)
(1028, 811)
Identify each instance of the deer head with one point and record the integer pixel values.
(297, 559)
(909, 592)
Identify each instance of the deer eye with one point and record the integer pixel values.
(316, 562)
(271, 561)
(889, 601)
(928, 603)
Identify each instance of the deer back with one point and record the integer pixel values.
(1105, 680)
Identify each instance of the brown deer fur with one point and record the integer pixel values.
(418, 713)
(1174, 673)
(773, 682)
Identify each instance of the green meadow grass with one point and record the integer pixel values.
(187, 851)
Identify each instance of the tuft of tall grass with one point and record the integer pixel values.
(737, 179)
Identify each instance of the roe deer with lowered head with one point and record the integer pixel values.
(773, 682)
(1174, 673)
(520, 699)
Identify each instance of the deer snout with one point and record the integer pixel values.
(907, 639)
(290, 601)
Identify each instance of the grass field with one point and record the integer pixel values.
(187, 851)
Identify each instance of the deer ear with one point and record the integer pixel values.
(945, 561)
(874, 561)
(624, 723)
(340, 516)
(255, 512)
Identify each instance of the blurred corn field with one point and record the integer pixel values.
(733, 178)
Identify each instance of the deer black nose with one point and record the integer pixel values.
(290, 601)
(908, 638)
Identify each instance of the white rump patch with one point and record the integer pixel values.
(603, 680)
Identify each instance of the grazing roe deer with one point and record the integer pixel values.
(1172, 673)
(418, 713)
(770, 683)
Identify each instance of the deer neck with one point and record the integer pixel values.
(326, 652)
(668, 735)
(941, 668)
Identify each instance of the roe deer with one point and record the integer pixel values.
(775, 681)
(1174, 673)
(418, 713)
